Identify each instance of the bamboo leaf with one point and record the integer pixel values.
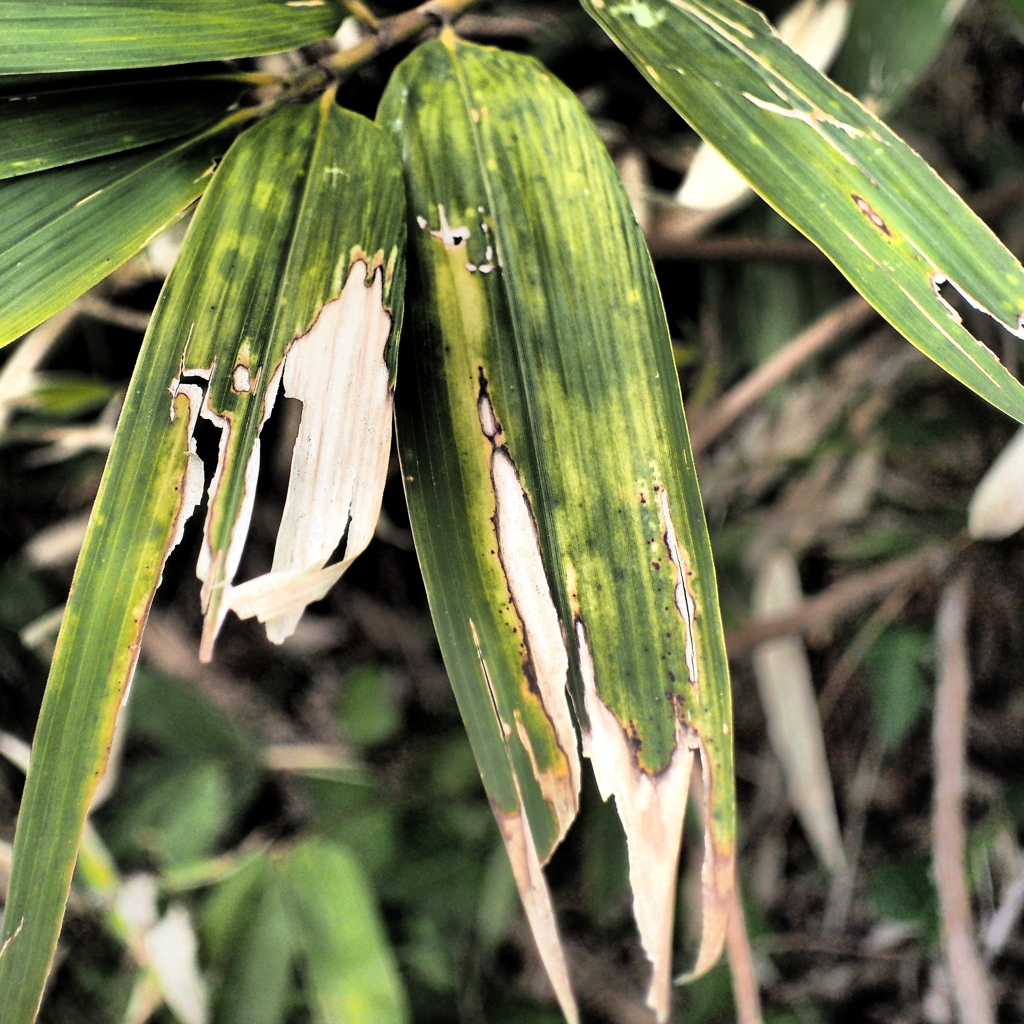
(90, 35)
(258, 961)
(51, 120)
(836, 172)
(304, 204)
(338, 324)
(890, 46)
(551, 487)
(63, 230)
(350, 968)
(815, 30)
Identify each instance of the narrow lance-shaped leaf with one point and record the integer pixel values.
(887, 221)
(295, 250)
(91, 35)
(63, 230)
(551, 487)
(51, 120)
(890, 46)
(350, 971)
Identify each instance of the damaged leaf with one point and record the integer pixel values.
(290, 277)
(836, 172)
(551, 487)
(296, 245)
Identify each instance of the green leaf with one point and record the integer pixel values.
(889, 46)
(258, 985)
(350, 969)
(887, 221)
(63, 230)
(181, 810)
(899, 695)
(265, 266)
(368, 712)
(177, 718)
(551, 487)
(51, 120)
(89, 35)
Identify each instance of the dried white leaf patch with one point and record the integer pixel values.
(339, 462)
(536, 897)
(546, 660)
(652, 809)
(217, 568)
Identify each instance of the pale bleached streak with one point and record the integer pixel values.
(685, 604)
(523, 566)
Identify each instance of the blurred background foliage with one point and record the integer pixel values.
(312, 813)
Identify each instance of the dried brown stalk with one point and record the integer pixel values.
(967, 976)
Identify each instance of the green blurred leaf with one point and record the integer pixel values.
(22, 597)
(904, 891)
(497, 909)
(50, 120)
(66, 395)
(258, 983)
(889, 46)
(349, 967)
(175, 810)
(368, 712)
(181, 721)
(899, 694)
(86, 35)
(1017, 6)
(358, 816)
(229, 907)
(836, 172)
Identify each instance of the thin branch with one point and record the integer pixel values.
(967, 974)
(1004, 920)
(734, 249)
(394, 30)
(844, 318)
(841, 600)
(110, 313)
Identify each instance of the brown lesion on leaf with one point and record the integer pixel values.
(872, 214)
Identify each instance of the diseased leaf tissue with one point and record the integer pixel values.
(307, 308)
(539, 405)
